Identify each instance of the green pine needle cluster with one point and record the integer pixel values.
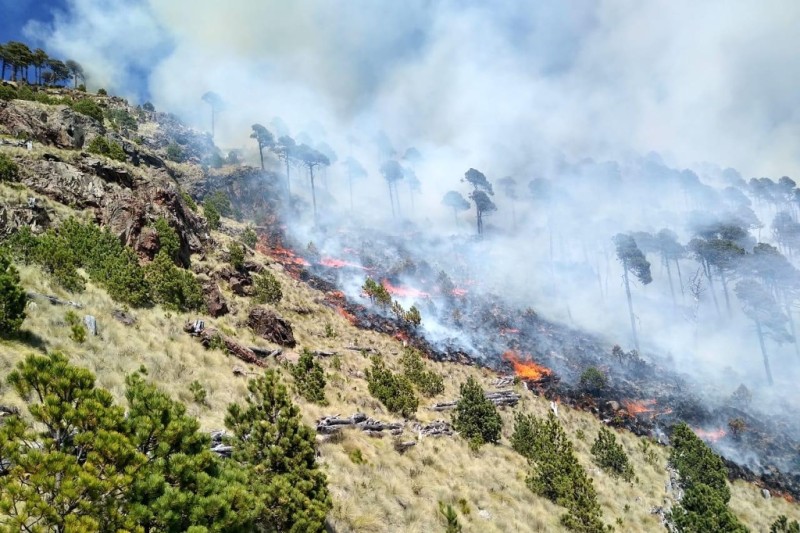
(309, 378)
(428, 382)
(393, 390)
(476, 417)
(610, 456)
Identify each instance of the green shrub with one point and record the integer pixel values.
(309, 378)
(356, 457)
(175, 153)
(7, 92)
(89, 108)
(8, 168)
(610, 456)
(236, 253)
(82, 88)
(12, 298)
(428, 382)
(593, 380)
(450, 518)
(393, 391)
(77, 329)
(221, 202)
(148, 106)
(703, 476)
(476, 417)
(168, 240)
(782, 525)
(249, 237)
(120, 118)
(188, 200)
(199, 393)
(60, 260)
(173, 287)
(102, 146)
(266, 289)
(102, 92)
(555, 471)
(25, 93)
(212, 215)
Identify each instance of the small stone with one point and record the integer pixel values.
(766, 494)
(483, 513)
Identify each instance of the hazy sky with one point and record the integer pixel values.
(495, 81)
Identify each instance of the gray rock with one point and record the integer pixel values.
(91, 324)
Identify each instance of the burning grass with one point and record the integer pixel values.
(526, 369)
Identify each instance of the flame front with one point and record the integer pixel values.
(403, 291)
(526, 369)
(338, 263)
(710, 435)
(282, 255)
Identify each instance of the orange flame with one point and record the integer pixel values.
(508, 331)
(403, 291)
(459, 292)
(710, 435)
(343, 312)
(635, 408)
(526, 369)
(338, 263)
(283, 255)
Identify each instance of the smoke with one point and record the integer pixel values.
(576, 93)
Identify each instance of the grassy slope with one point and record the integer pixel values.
(390, 491)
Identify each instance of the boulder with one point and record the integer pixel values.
(271, 327)
(215, 303)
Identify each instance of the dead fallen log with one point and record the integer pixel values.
(499, 398)
(53, 300)
(321, 353)
(437, 428)
(263, 352)
(208, 335)
(360, 349)
(504, 381)
(7, 410)
(329, 425)
(402, 446)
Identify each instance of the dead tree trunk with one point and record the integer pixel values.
(630, 306)
(764, 352)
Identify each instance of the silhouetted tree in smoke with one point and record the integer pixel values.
(718, 246)
(311, 159)
(58, 72)
(75, 70)
(481, 190)
(759, 305)
(384, 146)
(215, 101)
(355, 171)
(666, 242)
(633, 261)
(330, 153)
(779, 276)
(454, 200)
(414, 185)
(412, 156)
(542, 195)
(509, 187)
(264, 139)
(786, 231)
(392, 173)
(285, 150)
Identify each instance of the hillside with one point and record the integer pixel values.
(164, 170)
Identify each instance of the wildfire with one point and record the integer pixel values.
(508, 331)
(526, 369)
(459, 292)
(287, 256)
(644, 407)
(344, 313)
(403, 291)
(710, 435)
(338, 263)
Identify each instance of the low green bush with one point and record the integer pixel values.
(610, 456)
(309, 378)
(9, 171)
(89, 108)
(393, 391)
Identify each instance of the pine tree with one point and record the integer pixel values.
(610, 455)
(269, 435)
(476, 417)
(12, 298)
(309, 377)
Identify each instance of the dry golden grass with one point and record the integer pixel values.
(388, 491)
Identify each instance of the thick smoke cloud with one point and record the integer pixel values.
(500, 83)
(527, 89)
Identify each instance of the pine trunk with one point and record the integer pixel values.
(630, 306)
(764, 352)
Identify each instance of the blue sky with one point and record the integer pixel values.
(16, 13)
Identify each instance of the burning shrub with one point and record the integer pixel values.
(309, 378)
(376, 292)
(395, 392)
(593, 380)
(555, 472)
(737, 427)
(742, 396)
(610, 456)
(266, 289)
(476, 417)
(427, 382)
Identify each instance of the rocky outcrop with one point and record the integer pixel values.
(52, 125)
(215, 303)
(271, 327)
(32, 214)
